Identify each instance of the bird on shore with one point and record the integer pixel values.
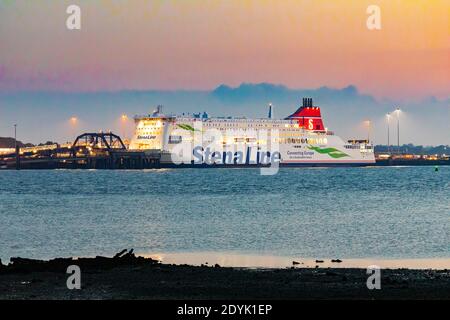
(336, 260)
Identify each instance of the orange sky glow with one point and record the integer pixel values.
(200, 44)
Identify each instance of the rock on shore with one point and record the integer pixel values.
(126, 276)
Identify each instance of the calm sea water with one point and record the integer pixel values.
(393, 212)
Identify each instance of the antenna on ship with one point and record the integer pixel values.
(270, 111)
(158, 110)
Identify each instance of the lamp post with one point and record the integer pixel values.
(388, 117)
(15, 137)
(16, 151)
(124, 119)
(368, 130)
(397, 111)
(73, 123)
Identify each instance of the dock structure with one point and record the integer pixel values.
(88, 151)
(411, 160)
(107, 151)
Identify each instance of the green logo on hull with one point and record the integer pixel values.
(332, 152)
(187, 127)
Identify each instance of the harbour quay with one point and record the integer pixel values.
(88, 151)
(108, 151)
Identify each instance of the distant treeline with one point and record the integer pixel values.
(412, 149)
(7, 142)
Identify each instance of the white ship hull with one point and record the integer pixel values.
(299, 140)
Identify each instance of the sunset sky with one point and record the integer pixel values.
(200, 44)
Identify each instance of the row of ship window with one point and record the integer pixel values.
(356, 146)
(179, 139)
(243, 127)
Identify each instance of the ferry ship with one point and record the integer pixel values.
(300, 139)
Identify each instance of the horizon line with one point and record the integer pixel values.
(210, 90)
